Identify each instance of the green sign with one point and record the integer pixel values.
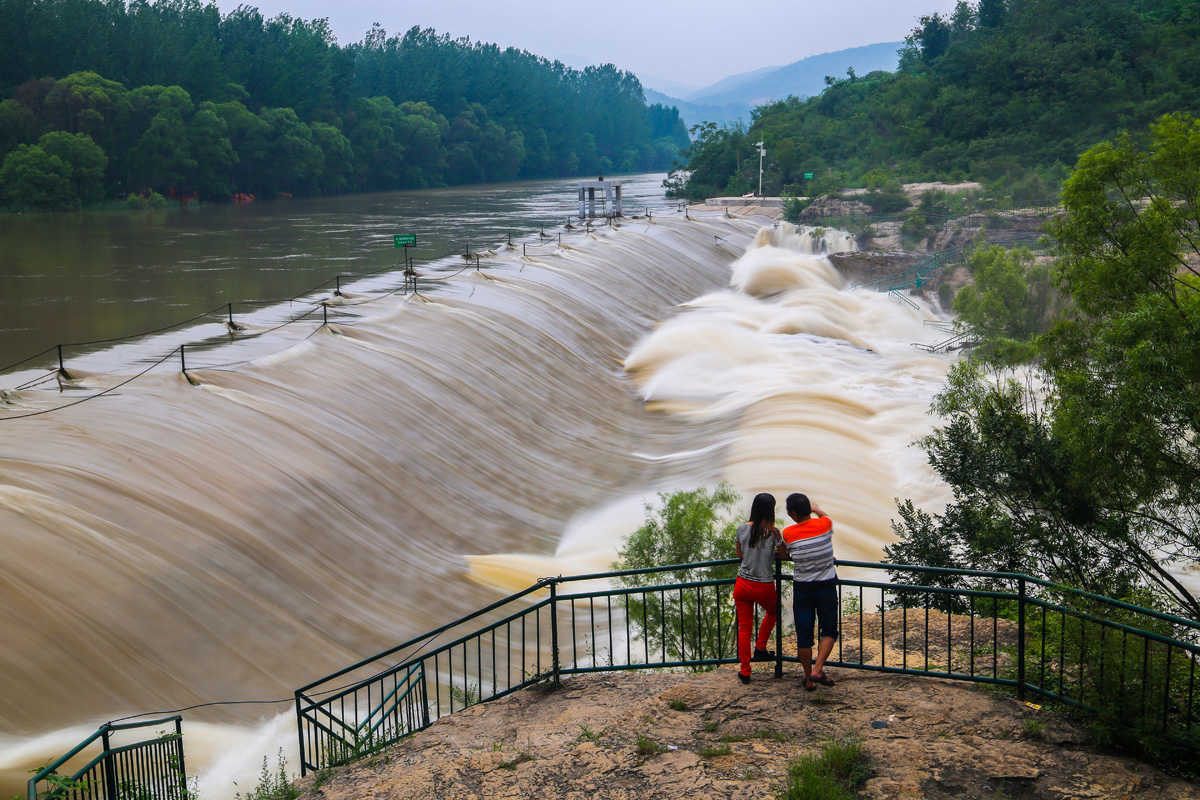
(405, 239)
(808, 176)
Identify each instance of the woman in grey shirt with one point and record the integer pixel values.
(756, 544)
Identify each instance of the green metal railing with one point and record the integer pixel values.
(150, 769)
(997, 628)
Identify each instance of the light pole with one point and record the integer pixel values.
(762, 151)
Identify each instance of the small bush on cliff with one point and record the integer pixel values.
(686, 527)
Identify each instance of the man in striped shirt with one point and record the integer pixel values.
(814, 589)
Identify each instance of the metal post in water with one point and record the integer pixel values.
(337, 290)
(61, 368)
(522, 249)
(324, 313)
(231, 315)
(182, 360)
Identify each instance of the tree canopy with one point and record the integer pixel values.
(1088, 472)
(179, 96)
(993, 91)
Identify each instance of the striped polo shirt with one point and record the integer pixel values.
(810, 546)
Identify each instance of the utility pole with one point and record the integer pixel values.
(762, 151)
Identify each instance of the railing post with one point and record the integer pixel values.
(300, 733)
(182, 360)
(110, 778)
(554, 629)
(1020, 638)
(179, 754)
(778, 617)
(231, 315)
(61, 368)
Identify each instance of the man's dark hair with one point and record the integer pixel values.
(799, 505)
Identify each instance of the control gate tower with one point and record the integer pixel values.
(610, 199)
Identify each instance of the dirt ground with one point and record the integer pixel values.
(923, 737)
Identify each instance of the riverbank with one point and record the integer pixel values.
(923, 738)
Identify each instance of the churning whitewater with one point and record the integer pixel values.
(236, 533)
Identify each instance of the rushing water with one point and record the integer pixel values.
(235, 533)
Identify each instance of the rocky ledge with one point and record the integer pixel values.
(923, 737)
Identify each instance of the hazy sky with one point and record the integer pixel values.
(695, 43)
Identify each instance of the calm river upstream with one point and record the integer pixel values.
(92, 275)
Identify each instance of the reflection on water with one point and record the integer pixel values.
(242, 533)
(85, 276)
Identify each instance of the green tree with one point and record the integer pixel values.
(31, 178)
(1010, 301)
(211, 152)
(85, 158)
(687, 527)
(1094, 478)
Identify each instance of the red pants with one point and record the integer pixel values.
(747, 594)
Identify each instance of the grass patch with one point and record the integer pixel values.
(520, 758)
(678, 705)
(587, 734)
(1034, 729)
(835, 773)
(732, 737)
(711, 725)
(715, 750)
(647, 746)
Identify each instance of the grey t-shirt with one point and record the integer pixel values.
(758, 562)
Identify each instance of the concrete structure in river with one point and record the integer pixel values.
(610, 201)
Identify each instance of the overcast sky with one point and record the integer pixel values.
(695, 43)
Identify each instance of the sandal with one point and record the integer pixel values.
(808, 688)
(822, 679)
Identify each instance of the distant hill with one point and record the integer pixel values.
(803, 78)
(730, 99)
(695, 113)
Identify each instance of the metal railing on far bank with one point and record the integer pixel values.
(1091, 653)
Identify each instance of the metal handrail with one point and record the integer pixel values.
(115, 774)
(643, 625)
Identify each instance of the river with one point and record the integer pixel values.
(309, 494)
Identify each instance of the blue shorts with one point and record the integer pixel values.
(821, 604)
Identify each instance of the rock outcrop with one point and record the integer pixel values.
(923, 738)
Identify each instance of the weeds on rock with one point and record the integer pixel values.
(521, 758)
(272, 785)
(647, 746)
(833, 774)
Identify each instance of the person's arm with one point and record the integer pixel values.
(738, 547)
(817, 510)
(781, 549)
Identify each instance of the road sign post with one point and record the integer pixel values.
(405, 240)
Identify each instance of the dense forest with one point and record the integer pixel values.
(1009, 91)
(108, 97)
